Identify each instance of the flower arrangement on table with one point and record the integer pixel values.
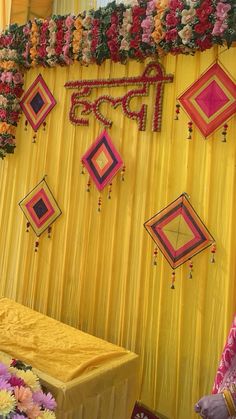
(132, 29)
(21, 395)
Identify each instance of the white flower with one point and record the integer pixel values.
(187, 15)
(186, 34)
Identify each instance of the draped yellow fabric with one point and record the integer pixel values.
(24, 10)
(96, 271)
(5, 9)
(73, 6)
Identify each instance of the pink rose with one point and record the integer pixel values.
(222, 10)
(6, 77)
(18, 78)
(3, 113)
(69, 21)
(146, 38)
(219, 28)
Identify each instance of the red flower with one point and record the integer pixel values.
(138, 11)
(202, 27)
(14, 116)
(204, 12)
(171, 35)
(3, 113)
(60, 35)
(18, 91)
(176, 4)
(171, 19)
(204, 44)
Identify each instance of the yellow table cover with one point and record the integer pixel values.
(89, 377)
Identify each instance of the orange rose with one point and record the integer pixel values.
(8, 65)
(5, 128)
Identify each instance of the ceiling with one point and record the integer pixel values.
(24, 10)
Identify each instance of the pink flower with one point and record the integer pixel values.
(69, 21)
(222, 10)
(3, 114)
(24, 399)
(6, 77)
(219, 28)
(146, 24)
(45, 400)
(18, 78)
(146, 38)
(67, 36)
(4, 385)
(26, 30)
(7, 40)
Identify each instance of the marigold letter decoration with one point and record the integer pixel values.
(36, 104)
(40, 209)
(179, 233)
(210, 101)
(153, 75)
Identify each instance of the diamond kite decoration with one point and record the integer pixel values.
(179, 232)
(211, 100)
(143, 412)
(40, 208)
(102, 160)
(37, 102)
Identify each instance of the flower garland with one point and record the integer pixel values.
(133, 29)
(21, 395)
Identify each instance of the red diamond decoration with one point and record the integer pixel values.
(40, 207)
(37, 102)
(211, 100)
(179, 232)
(102, 160)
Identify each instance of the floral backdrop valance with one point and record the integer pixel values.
(117, 31)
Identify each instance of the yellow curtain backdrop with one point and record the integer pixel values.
(62, 7)
(5, 10)
(96, 271)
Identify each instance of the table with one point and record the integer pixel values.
(89, 377)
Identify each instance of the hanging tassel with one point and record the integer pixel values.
(173, 281)
(49, 232)
(123, 173)
(34, 138)
(177, 111)
(224, 133)
(190, 130)
(213, 251)
(27, 226)
(44, 125)
(88, 185)
(109, 190)
(26, 125)
(36, 246)
(82, 172)
(99, 204)
(190, 275)
(155, 252)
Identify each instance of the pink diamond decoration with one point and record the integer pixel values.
(211, 100)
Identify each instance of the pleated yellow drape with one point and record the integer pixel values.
(96, 271)
(63, 7)
(5, 10)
